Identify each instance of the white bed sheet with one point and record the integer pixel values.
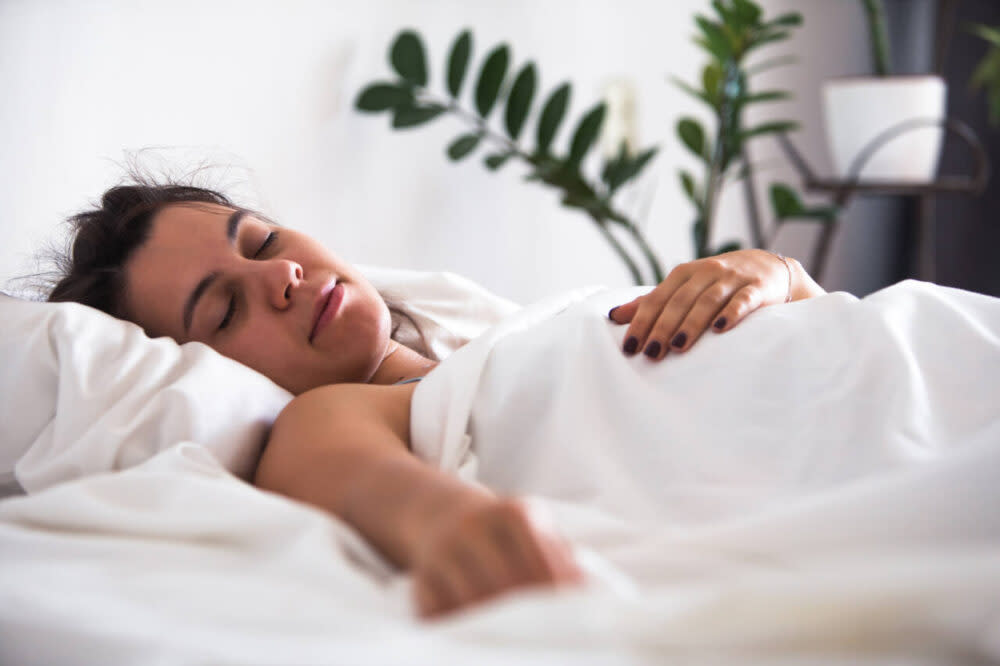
(177, 561)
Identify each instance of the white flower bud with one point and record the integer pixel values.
(619, 119)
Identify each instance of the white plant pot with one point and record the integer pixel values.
(859, 110)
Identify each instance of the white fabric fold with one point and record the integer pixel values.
(798, 399)
(794, 532)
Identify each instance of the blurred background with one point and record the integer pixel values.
(263, 93)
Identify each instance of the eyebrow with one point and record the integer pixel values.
(232, 232)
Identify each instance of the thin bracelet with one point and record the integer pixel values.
(788, 297)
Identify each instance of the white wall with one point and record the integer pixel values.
(268, 89)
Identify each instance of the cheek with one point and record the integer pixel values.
(264, 348)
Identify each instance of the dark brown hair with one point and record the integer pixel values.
(103, 239)
(92, 271)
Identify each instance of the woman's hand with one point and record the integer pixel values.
(476, 553)
(717, 292)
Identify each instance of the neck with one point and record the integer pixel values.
(400, 362)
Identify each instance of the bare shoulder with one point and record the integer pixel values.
(338, 407)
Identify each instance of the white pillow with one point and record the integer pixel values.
(82, 392)
(450, 309)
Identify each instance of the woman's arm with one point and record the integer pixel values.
(717, 292)
(344, 448)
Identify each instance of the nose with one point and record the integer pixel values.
(281, 278)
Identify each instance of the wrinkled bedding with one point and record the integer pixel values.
(832, 501)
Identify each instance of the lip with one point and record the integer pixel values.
(326, 306)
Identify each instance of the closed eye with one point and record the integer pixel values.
(271, 237)
(230, 311)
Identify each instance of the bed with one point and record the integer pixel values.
(140, 540)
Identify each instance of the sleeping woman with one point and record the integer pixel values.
(187, 263)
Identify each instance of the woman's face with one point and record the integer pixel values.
(255, 292)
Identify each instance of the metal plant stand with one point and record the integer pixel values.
(842, 191)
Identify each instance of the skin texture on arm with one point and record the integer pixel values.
(344, 448)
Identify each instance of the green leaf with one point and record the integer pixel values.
(766, 96)
(986, 32)
(687, 182)
(768, 38)
(787, 205)
(407, 58)
(692, 135)
(458, 62)
(821, 213)
(497, 160)
(711, 81)
(582, 201)
(624, 169)
(748, 12)
(769, 128)
(986, 71)
(731, 246)
(519, 100)
(728, 17)
(789, 20)
(613, 169)
(463, 145)
(383, 96)
(545, 170)
(770, 63)
(552, 115)
(586, 134)
(491, 77)
(715, 40)
(691, 90)
(412, 116)
(784, 201)
(636, 165)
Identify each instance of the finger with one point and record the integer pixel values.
(431, 593)
(671, 316)
(703, 313)
(743, 302)
(469, 581)
(560, 556)
(486, 571)
(554, 548)
(517, 536)
(622, 314)
(522, 565)
(644, 309)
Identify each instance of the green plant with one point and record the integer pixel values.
(739, 30)
(987, 74)
(879, 36)
(411, 104)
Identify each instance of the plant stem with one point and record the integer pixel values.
(750, 192)
(875, 10)
(481, 125)
(606, 213)
(640, 240)
(713, 184)
(602, 226)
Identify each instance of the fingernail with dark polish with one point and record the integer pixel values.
(679, 340)
(720, 323)
(612, 311)
(631, 344)
(652, 349)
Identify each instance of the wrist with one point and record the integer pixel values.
(803, 286)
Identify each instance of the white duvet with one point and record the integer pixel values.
(818, 485)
